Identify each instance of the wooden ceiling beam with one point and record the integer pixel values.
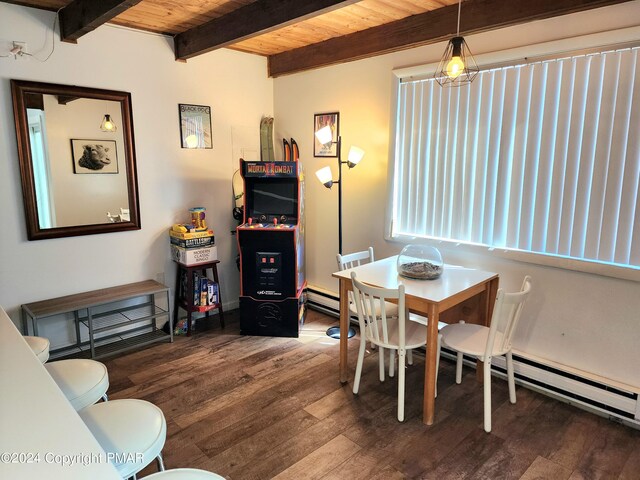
(83, 16)
(249, 21)
(423, 29)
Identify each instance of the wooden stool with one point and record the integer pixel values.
(187, 303)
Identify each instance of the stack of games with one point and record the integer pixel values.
(193, 243)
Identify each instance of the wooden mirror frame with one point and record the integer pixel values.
(19, 89)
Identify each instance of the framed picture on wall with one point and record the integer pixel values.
(195, 126)
(322, 120)
(94, 156)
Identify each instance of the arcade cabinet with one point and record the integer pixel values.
(271, 246)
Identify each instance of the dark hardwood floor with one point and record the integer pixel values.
(261, 408)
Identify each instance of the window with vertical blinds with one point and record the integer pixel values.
(542, 157)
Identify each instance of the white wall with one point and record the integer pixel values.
(580, 320)
(170, 179)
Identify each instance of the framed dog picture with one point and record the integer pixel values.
(94, 156)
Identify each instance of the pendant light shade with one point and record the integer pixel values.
(457, 67)
(107, 124)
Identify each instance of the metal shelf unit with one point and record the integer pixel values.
(113, 325)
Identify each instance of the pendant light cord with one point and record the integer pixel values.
(459, 9)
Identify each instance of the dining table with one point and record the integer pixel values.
(459, 293)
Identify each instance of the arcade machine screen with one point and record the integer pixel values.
(274, 198)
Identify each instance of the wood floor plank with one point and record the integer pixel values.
(314, 466)
(575, 441)
(361, 466)
(509, 463)
(467, 457)
(542, 469)
(631, 469)
(610, 450)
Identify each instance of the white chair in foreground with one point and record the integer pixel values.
(485, 343)
(132, 431)
(394, 333)
(184, 474)
(40, 347)
(84, 382)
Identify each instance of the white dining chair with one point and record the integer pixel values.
(395, 333)
(356, 259)
(485, 343)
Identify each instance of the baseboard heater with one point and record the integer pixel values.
(609, 400)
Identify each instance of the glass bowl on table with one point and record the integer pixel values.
(420, 262)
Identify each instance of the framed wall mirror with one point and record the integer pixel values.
(77, 159)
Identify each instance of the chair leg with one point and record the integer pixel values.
(410, 357)
(356, 380)
(438, 360)
(459, 368)
(381, 363)
(511, 378)
(459, 364)
(392, 362)
(487, 394)
(401, 373)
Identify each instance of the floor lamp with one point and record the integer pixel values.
(325, 137)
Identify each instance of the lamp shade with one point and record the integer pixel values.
(355, 155)
(324, 135)
(325, 176)
(457, 66)
(107, 124)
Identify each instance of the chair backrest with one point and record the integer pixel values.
(355, 259)
(377, 328)
(506, 315)
(352, 260)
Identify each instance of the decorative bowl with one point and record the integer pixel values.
(420, 262)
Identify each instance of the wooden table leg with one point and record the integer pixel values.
(344, 330)
(428, 411)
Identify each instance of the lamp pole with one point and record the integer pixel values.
(339, 182)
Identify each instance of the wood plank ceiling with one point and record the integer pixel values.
(299, 35)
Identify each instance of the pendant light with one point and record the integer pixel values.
(107, 124)
(457, 66)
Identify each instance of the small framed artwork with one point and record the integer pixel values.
(94, 156)
(322, 120)
(195, 126)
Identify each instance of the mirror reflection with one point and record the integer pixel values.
(73, 159)
(77, 159)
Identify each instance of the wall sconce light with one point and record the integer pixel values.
(325, 136)
(107, 124)
(457, 66)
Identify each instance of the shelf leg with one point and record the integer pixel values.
(215, 279)
(169, 316)
(91, 339)
(76, 319)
